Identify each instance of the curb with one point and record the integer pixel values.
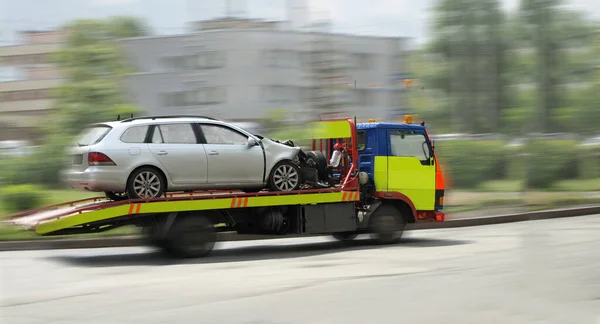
(129, 241)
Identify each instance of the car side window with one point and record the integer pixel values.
(216, 134)
(174, 134)
(135, 134)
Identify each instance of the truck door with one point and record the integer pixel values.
(411, 167)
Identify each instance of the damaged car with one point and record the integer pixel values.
(146, 157)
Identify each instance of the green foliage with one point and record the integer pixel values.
(504, 71)
(470, 163)
(43, 167)
(18, 198)
(95, 65)
(589, 158)
(551, 161)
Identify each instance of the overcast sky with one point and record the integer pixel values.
(407, 18)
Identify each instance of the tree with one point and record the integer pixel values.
(470, 52)
(95, 65)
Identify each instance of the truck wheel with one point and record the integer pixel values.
(191, 236)
(152, 237)
(285, 176)
(344, 236)
(387, 224)
(318, 160)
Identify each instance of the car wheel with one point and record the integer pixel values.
(252, 190)
(145, 183)
(116, 196)
(285, 176)
(318, 160)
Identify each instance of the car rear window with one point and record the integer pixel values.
(93, 135)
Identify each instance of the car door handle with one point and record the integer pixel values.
(162, 153)
(213, 153)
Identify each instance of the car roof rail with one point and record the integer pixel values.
(166, 116)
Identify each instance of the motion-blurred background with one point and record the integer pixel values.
(510, 89)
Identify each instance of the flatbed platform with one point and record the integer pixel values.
(49, 219)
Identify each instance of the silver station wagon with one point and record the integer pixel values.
(149, 156)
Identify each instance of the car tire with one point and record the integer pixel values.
(151, 181)
(116, 196)
(319, 161)
(252, 190)
(285, 176)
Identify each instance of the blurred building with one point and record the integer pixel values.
(241, 68)
(26, 96)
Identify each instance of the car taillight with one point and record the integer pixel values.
(97, 158)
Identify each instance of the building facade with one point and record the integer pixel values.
(26, 97)
(242, 73)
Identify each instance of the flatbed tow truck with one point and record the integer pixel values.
(388, 176)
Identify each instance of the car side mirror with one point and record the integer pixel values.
(251, 142)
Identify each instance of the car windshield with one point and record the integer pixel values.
(93, 135)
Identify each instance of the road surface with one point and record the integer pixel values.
(530, 272)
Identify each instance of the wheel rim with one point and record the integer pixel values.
(286, 178)
(146, 185)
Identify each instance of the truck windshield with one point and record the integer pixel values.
(93, 135)
(407, 143)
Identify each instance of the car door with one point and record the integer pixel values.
(411, 167)
(176, 147)
(230, 159)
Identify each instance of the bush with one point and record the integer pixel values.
(42, 167)
(470, 163)
(18, 198)
(551, 161)
(590, 163)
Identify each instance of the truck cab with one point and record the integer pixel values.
(401, 164)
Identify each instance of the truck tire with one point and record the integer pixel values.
(191, 236)
(387, 224)
(318, 160)
(151, 236)
(344, 236)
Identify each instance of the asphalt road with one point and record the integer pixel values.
(530, 272)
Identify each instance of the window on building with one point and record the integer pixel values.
(409, 144)
(211, 95)
(215, 134)
(174, 134)
(135, 134)
(210, 60)
(201, 96)
(175, 63)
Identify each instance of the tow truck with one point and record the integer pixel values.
(387, 175)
